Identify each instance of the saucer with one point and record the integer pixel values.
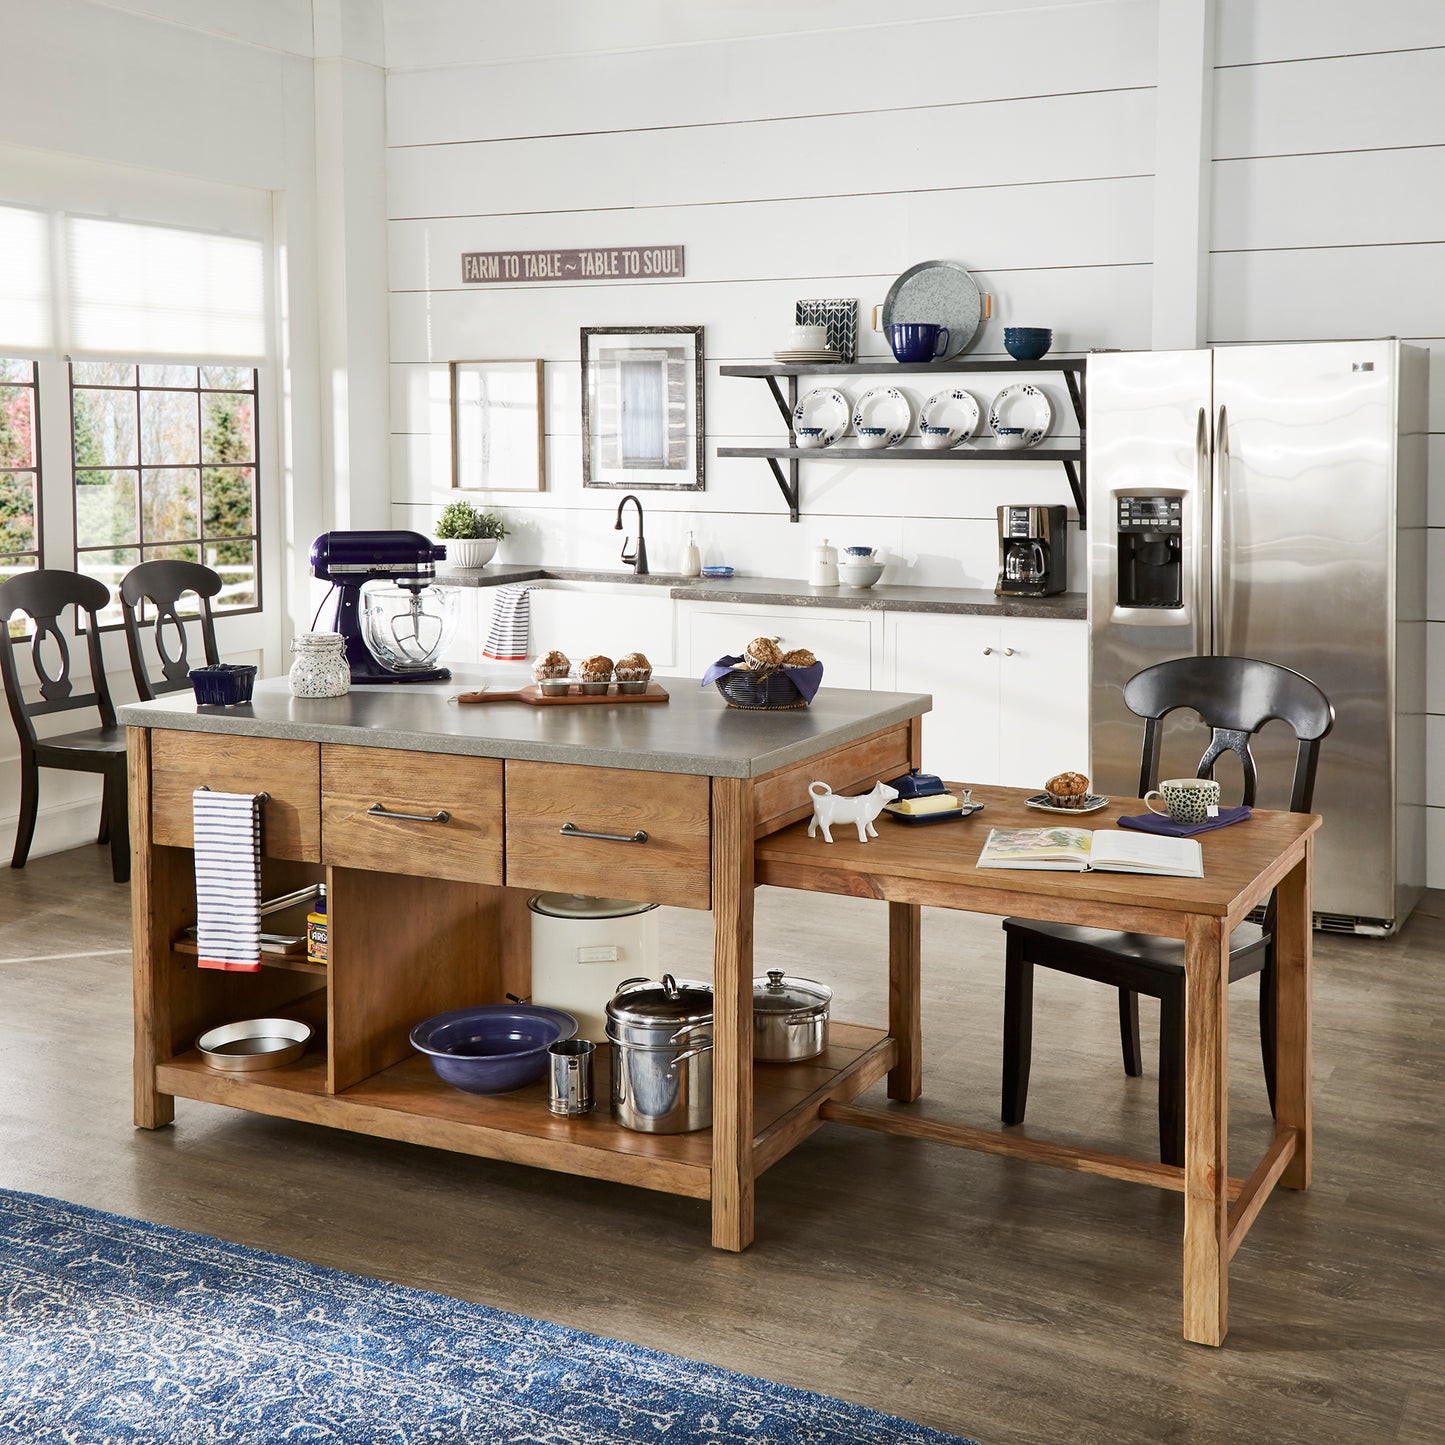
(1092, 803)
(823, 407)
(886, 407)
(954, 409)
(1022, 405)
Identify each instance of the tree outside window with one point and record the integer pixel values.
(19, 472)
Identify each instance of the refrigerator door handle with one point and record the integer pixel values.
(1202, 549)
(1219, 643)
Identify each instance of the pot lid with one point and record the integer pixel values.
(670, 1002)
(581, 905)
(776, 994)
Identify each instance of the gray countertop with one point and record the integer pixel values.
(694, 732)
(789, 592)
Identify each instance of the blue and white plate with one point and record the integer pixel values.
(954, 409)
(823, 407)
(1092, 803)
(887, 407)
(1022, 405)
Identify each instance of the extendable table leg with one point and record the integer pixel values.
(1292, 1014)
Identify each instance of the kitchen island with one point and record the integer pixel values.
(431, 823)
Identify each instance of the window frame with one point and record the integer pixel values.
(38, 551)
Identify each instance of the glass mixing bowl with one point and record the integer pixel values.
(407, 629)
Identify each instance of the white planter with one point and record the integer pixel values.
(469, 551)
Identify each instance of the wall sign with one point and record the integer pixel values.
(608, 263)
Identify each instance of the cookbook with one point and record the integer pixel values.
(1100, 850)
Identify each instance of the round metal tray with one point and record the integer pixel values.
(252, 1044)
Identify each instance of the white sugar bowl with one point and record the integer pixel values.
(320, 668)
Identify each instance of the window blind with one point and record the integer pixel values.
(146, 291)
(26, 323)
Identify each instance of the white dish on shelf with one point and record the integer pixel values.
(886, 407)
(954, 409)
(1022, 404)
(826, 408)
(1092, 803)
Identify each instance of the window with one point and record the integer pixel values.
(19, 468)
(165, 466)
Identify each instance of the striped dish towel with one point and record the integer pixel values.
(228, 879)
(510, 633)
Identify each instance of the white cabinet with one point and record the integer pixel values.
(581, 618)
(1010, 694)
(843, 641)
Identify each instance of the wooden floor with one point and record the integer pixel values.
(975, 1294)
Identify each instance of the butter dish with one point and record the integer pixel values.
(917, 785)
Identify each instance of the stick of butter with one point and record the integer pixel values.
(938, 803)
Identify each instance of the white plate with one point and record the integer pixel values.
(1022, 405)
(823, 407)
(955, 409)
(1092, 804)
(887, 407)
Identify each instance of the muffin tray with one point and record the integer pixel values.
(654, 692)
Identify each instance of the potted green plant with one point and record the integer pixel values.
(471, 536)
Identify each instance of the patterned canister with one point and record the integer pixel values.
(320, 668)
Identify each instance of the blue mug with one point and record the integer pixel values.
(917, 340)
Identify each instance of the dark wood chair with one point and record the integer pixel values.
(1234, 697)
(164, 583)
(43, 596)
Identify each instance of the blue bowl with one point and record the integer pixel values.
(224, 685)
(492, 1048)
(1027, 343)
(717, 571)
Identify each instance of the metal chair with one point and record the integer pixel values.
(1234, 697)
(43, 595)
(164, 583)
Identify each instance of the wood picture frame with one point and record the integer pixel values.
(642, 408)
(498, 426)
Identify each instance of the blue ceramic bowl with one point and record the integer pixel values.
(492, 1048)
(1027, 343)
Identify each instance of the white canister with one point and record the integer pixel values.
(583, 947)
(824, 571)
(320, 668)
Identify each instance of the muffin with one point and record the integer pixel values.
(1067, 790)
(762, 654)
(633, 671)
(595, 672)
(799, 657)
(552, 671)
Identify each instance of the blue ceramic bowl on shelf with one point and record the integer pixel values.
(492, 1048)
(1027, 343)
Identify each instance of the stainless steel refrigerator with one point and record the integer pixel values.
(1269, 501)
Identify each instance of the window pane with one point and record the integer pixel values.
(230, 509)
(228, 378)
(177, 552)
(236, 562)
(230, 428)
(17, 511)
(12, 370)
(168, 376)
(105, 511)
(103, 373)
(170, 504)
(168, 427)
(104, 425)
(109, 567)
(17, 426)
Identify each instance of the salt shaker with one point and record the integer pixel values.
(320, 668)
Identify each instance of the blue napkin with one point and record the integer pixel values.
(1158, 823)
(807, 679)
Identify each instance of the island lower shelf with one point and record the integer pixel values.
(408, 1102)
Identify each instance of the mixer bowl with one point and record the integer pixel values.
(407, 630)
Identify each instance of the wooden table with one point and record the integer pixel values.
(935, 865)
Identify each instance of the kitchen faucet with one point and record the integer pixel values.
(637, 560)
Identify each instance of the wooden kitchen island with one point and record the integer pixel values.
(431, 823)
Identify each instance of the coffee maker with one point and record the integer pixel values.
(1033, 551)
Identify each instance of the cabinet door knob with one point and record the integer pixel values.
(988, 652)
(1008, 652)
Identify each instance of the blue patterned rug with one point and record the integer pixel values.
(112, 1330)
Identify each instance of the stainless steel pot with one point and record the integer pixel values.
(790, 1018)
(661, 1038)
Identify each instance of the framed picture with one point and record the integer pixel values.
(642, 407)
(497, 420)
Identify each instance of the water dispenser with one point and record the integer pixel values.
(1151, 556)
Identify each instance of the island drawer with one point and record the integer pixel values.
(288, 772)
(672, 865)
(434, 815)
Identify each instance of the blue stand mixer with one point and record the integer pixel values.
(386, 643)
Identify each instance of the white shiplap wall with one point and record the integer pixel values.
(796, 150)
(1329, 216)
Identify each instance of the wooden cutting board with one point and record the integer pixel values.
(533, 694)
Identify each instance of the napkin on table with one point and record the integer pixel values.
(1158, 823)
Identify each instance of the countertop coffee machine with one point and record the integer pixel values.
(1033, 551)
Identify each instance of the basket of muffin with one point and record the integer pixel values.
(596, 676)
(765, 678)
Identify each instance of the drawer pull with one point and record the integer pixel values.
(571, 830)
(377, 811)
(260, 797)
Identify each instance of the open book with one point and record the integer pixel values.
(1079, 850)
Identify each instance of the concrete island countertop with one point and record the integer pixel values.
(693, 732)
(789, 592)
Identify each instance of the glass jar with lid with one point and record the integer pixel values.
(320, 668)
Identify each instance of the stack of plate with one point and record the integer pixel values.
(807, 358)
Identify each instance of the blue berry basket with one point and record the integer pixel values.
(224, 685)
